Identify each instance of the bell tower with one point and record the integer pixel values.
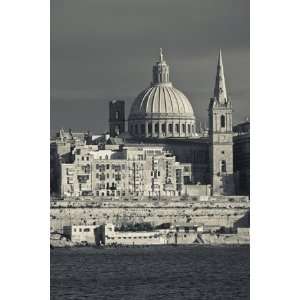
(220, 137)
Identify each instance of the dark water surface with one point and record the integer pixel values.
(154, 273)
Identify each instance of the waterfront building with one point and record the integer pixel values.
(241, 155)
(127, 170)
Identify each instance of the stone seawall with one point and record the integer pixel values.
(214, 212)
(225, 239)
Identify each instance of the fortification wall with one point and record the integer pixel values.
(222, 239)
(212, 212)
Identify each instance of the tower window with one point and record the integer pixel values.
(222, 121)
(223, 166)
(171, 128)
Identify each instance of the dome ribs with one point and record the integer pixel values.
(170, 99)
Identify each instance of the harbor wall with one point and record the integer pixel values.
(213, 212)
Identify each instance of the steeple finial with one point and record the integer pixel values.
(161, 54)
(220, 87)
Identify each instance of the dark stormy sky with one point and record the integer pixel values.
(104, 50)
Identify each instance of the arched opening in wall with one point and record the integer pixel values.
(149, 128)
(143, 129)
(156, 127)
(223, 166)
(222, 121)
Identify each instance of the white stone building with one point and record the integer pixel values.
(129, 170)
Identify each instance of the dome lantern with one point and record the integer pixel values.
(160, 71)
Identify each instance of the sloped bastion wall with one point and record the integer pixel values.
(210, 211)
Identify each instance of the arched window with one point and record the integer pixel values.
(163, 128)
(171, 128)
(177, 128)
(222, 121)
(156, 127)
(189, 128)
(223, 166)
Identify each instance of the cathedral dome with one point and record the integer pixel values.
(162, 99)
(161, 110)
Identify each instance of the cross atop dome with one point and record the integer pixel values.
(161, 54)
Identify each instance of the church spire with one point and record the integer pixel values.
(220, 92)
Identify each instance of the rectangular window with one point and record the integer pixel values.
(223, 166)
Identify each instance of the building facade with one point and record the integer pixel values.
(127, 170)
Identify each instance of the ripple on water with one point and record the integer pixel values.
(150, 273)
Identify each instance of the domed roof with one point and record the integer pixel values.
(162, 99)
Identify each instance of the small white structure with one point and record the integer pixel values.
(178, 234)
(110, 236)
(82, 233)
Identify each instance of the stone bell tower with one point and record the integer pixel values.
(116, 117)
(220, 137)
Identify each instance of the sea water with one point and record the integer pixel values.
(156, 272)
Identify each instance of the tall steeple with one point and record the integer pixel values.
(161, 71)
(220, 92)
(221, 137)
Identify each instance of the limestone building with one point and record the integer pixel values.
(162, 114)
(129, 170)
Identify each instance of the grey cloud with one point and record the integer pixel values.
(102, 50)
